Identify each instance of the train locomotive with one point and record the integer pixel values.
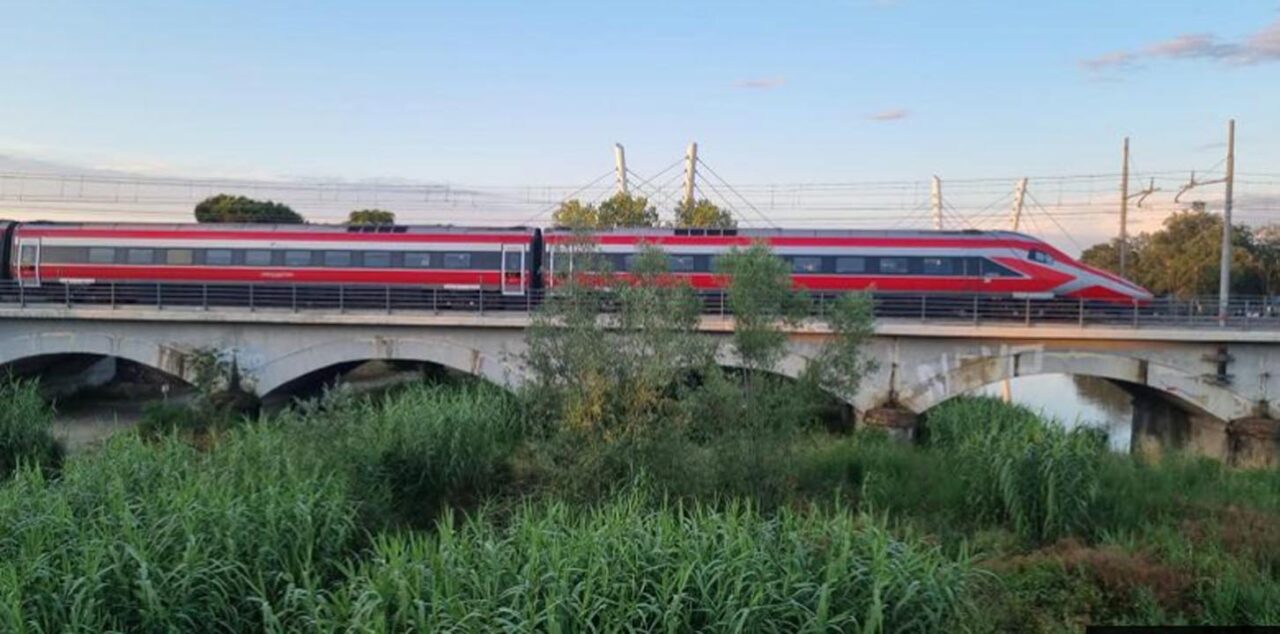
(524, 260)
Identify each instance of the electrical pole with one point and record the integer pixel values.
(620, 167)
(690, 172)
(1124, 210)
(1224, 275)
(1019, 194)
(935, 197)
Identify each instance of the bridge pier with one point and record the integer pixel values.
(898, 422)
(1254, 443)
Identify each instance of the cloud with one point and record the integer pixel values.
(760, 83)
(1113, 59)
(1258, 48)
(892, 114)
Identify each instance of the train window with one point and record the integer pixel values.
(806, 265)
(682, 263)
(457, 260)
(297, 258)
(102, 255)
(937, 266)
(512, 265)
(851, 265)
(1036, 255)
(337, 259)
(217, 257)
(991, 269)
(257, 257)
(377, 259)
(140, 256)
(27, 257)
(897, 266)
(178, 256)
(417, 260)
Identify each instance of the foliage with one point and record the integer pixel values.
(1037, 476)
(25, 436)
(371, 217)
(411, 454)
(703, 213)
(157, 537)
(229, 208)
(620, 210)
(762, 299)
(1183, 257)
(629, 567)
(613, 375)
(841, 363)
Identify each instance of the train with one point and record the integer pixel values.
(523, 260)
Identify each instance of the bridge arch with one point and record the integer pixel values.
(934, 384)
(495, 367)
(145, 352)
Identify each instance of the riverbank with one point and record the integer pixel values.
(449, 507)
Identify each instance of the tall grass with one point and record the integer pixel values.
(159, 537)
(25, 435)
(630, 566)
(1021, 469)
(409, 454)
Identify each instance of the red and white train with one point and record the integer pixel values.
(514, 261)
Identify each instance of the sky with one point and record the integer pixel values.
(506, 93)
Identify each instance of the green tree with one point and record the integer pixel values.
(609, 373)
(574, 214)
(624, 210)
(1266, 242)
(762, 299)
(841, 363)
(229, 208)
(1183, 257)
(703, 213)
(371, 217)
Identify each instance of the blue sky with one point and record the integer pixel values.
(521, 92)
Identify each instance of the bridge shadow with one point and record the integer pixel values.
(370, 377)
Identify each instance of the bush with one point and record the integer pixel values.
(631, 566)
(25, 435)
(413, 452)
(1036, 475)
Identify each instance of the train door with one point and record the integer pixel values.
(28, 269)
(513, 268)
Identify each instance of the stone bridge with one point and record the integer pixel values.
(1218, 379)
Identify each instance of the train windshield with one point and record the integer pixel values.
(1036, 255)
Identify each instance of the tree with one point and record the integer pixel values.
(703, 213)
(1184, 256)
(621, 210)
(1266, 242)
(625, 210)
(229, 208)
(371, 217)
(762, 299)
(572, 213)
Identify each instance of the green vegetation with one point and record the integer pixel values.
(25, 438)
(624, 210)
(635, 486)
(228, 208)
(371, 217)
(1183, 257)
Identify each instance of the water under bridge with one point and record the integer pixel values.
(1213, 375)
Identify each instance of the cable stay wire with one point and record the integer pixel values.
(740, 196)
(552, 208)
(1061, 228)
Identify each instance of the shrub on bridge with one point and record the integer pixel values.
(25, 435)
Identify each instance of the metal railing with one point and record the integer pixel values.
(1243, 312)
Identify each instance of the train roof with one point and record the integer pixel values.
(260, 227)
(805, 233)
